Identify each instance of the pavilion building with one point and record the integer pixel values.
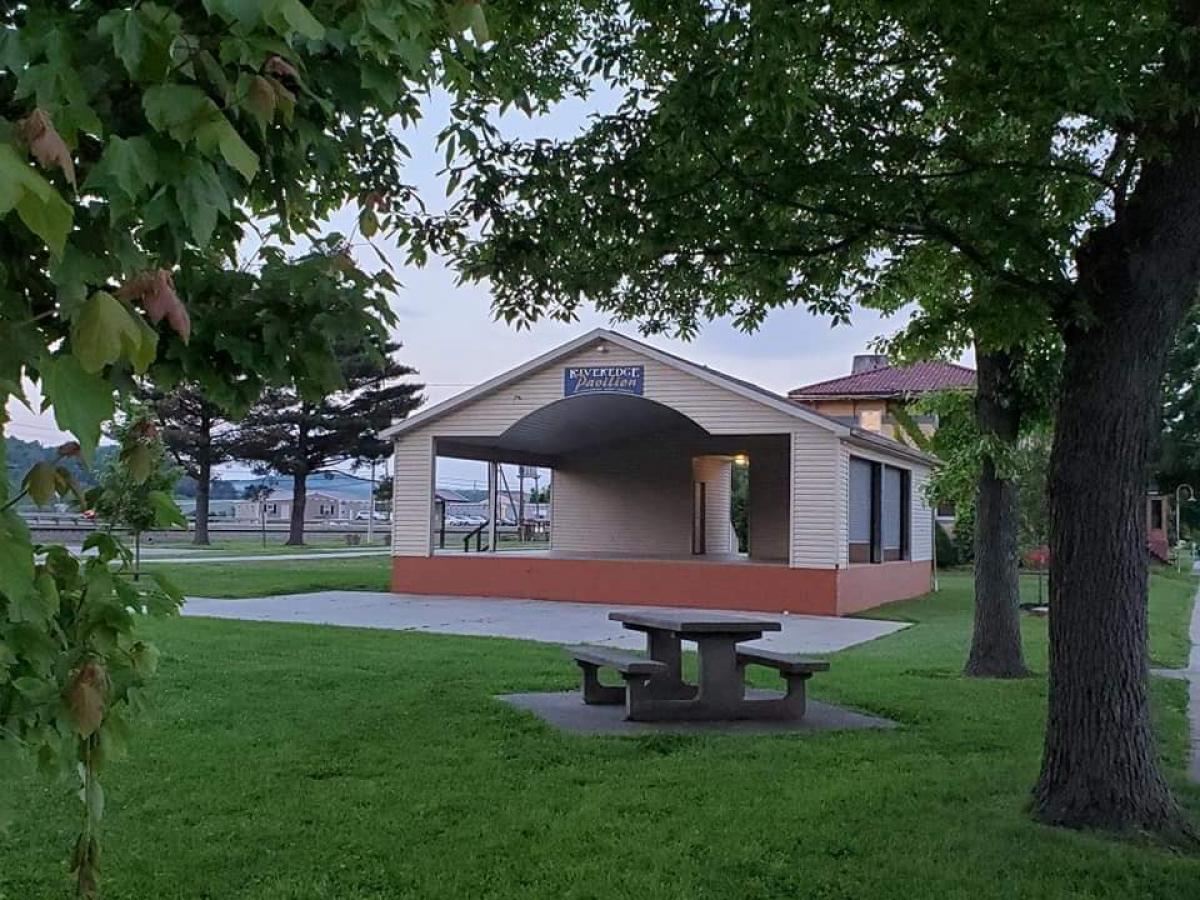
(641, 445)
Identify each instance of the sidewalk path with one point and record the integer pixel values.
(531, 620)
(1192, 676)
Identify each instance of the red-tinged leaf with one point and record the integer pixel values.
(87, 696)
(47, 147)
(139, 460)
(155, 291)
(260, 100)
(281, 68)
(70, 448)
(146, 428)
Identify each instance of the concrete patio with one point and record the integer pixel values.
(532, 620)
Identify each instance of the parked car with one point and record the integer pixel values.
(361, 516)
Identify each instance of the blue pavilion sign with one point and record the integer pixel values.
(603, 380)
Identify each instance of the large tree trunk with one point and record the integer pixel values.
(203, 489)
(996, 639)
(299, 496)
(1100, 766)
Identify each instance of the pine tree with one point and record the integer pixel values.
(292, 435)
(198, 437)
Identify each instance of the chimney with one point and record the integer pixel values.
(868, 362)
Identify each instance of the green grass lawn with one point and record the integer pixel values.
(291, 761)
(251, 545)
(258, 578)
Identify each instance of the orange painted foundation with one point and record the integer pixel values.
(753, 587)
(864, 586)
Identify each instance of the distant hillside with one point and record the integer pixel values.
(20, 456)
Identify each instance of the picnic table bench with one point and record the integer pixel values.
(654, 689)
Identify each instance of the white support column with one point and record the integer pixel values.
(493, 486)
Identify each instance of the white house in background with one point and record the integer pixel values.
(319, 506)
(642, 445)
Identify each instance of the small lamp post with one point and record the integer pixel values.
(1180, 499)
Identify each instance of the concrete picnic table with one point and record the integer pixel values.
(654, 687)
(721, 691)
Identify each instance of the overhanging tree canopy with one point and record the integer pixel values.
(135, 138)
(1020, 170)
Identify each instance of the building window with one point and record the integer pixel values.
(1156, 514)
(880, 512)
(861, 512)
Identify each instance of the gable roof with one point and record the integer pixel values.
(891, 381)
(735, 385)
(704, 373)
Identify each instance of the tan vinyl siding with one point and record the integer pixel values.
(412, 495)
(717, 410)
(716, 472)
(622, 501)
(843, 506)
(922, 516)
(816, 486)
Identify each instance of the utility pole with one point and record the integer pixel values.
(371, 508)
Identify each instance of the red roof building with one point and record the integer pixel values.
(870, 395)
(885, 381)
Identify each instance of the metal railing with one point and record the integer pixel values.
(477, 534)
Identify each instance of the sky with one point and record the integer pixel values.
(450, 336)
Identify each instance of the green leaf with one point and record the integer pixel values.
(103, 329)
(129, 38)
(81, 401)
(50, 218)
(39, 205)
(139, 459)
(72, 273)
(236, 151)
(47, 589)
(168, 587)
(201, 198)
(12, 54)
(478, 23)
(296, 15)
(38, 690)
(39, 482)
(166, 512)
(144, 658)
(179, 110)
(16, 557)
(242, 12)
(107, 546)
(131, 165)
(368, 223)
(144, 350)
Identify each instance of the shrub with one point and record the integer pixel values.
(964, 534)
(947, 552)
